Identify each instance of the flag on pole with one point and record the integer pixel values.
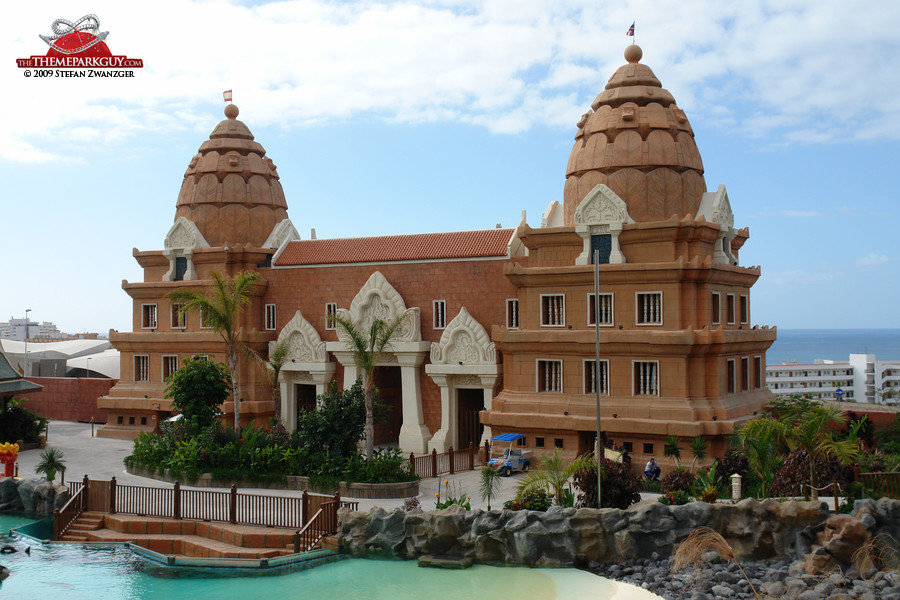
(227, 93)
(630, 30)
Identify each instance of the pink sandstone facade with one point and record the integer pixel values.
(498, 327)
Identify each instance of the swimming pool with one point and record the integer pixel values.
(64, 571)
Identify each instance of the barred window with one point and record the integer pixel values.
(148, 316)
(745, 309)
(730, 367)
(606, 309)
(549, 376)
(757, 372)
(553, 310)
(177, 317)
(649, 308)
(512, 313)
(745, 373)
(716, 308)
(730, 308)
(439, 309)
(142, 368)
(646, 378)
(169, 365)
(270, 317)
(330, 311)
(591, 380)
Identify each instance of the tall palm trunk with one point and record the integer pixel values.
(370, 415)
(235, 387)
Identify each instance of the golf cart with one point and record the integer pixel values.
(510, 459)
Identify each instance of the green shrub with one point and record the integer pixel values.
(676, 497)
(794, 472)
(18, 423)
(535, 499)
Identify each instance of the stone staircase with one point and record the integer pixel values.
(186, 538)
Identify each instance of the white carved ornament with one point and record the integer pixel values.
(601, 206)
(721, 209)
(378, 299)
(184, 235)
(464, 341)
(304, 343)
(283, 232)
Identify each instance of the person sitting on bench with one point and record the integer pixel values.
(652, 470)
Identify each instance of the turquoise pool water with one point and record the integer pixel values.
(64, 571)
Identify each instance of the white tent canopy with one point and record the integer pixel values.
(103, 358)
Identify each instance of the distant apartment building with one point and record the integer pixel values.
(861, 379)
(22, 329)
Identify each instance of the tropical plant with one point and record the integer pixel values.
(537, 499)
(553, 473)
(491, 482)
(52, 462)
(18, 423)
(672, 450)
(676, 497)
(368, 348)
(811, 432)
(332, 429)
(679, 479)
(762, 440)
(197, 390)
(451, 497)
(271, 367)
(698, 448)
(621, 485)
(220, 307)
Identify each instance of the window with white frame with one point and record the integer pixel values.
(203, 323)
(169, 365)
(148, 316)
(605, 308)
(649, 308)
(590, 377)
(176, 316)
(512, 313)
(730, 367)
(646, 378)
(330, 311)
(549, 376)
(141, 367)
(730, 308)
(745, 373)
(553, 310)
(439, 313)
(202, 357)
(716, 308)
(271, 322)
(745, 309)
(757, 372)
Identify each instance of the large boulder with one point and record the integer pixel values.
(9, 494)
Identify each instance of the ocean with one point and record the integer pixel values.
(806, 345)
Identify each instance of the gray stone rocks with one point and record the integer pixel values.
(35, 495)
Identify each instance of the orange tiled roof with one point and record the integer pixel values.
(391, 248)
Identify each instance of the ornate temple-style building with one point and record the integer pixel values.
(499, 325)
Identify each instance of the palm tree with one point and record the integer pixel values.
(220, 308)
(51, 463)
(553, 474)
(491, 483)
(698, 448)
(810, 432)
(762, 440)
(368, 349)
(278, 355)
(672, 450)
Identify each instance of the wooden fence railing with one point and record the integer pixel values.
(200, 505)
(452, 461)
(324, 522)
(882, 484)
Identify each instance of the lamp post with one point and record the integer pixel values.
(88, 373)
(25, 374)
(598, 452)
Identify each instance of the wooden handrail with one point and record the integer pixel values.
(71, 510)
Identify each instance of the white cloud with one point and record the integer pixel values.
(872, 260)
(788, 70)
(799, 213)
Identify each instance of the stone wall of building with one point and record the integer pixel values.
(69, 398)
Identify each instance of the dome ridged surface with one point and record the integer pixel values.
(231, 189)
(638, 142)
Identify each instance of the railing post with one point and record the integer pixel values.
(176, 501)
(112, 496)
(297, 542)
(304, 508)
(472, 456)
(85, 494)
(834, 487)
(232, 505)
(434, 471)
(332, 521)
(450, 457)
(412, 463)
(57, 517)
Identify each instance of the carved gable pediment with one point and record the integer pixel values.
(378, 299)
(283, 232)
(601, 206)
(184, 235)
(716, 208)
(464, 342)
(304, 343)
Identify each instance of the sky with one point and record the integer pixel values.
(443, 115)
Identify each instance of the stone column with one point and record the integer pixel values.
(288, 402)
(414, 434)
(447, 433)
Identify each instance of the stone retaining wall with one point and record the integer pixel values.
(564, 537)
(34, 495)
(383, 491)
